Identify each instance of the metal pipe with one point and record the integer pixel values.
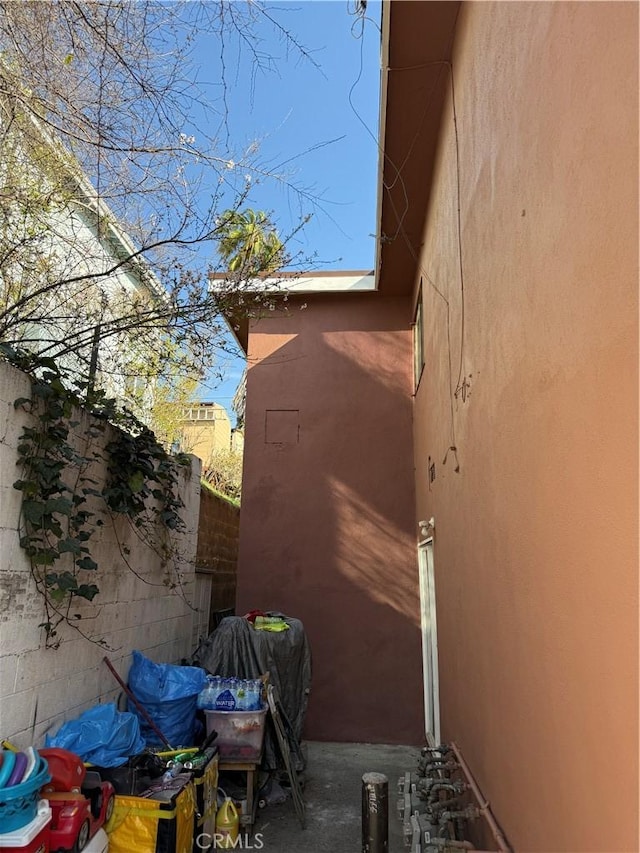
(454, 787)
(443, 749)
(483, 804)
(444, 805)
(445, 763)
(436, 764)
(425, 786)
(375, 813)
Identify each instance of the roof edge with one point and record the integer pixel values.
(382, 129)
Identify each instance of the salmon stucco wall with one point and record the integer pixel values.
(327, 529)
(534, 380)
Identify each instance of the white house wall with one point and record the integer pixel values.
(60, 241)
(76, 251)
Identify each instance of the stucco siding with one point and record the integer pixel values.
(536, 546)
(327, 529)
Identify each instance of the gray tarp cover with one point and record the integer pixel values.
(235, 648)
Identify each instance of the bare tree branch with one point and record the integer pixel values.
(110, 190)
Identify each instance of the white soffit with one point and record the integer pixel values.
(322, 284)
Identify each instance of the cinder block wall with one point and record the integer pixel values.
(39, 687)
(217, 554)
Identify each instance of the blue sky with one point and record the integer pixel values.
(297, 107)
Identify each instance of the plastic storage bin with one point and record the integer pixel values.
(32, 838)
(240, 733)
(19, 803)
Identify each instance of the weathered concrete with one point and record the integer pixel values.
(332, 795)
(40, 687)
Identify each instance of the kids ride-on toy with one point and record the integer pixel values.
(81, 803)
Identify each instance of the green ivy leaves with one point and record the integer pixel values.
(142, 482)
(58, 518)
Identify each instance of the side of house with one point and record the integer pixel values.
(327, 522)
(481, 490)
(521, 250)
(205, 428)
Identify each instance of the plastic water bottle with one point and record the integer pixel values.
(216, 686)
(203, 697)
(226, 699)
(253, 694)
(207, 696)
(173, 769)
(241, 695)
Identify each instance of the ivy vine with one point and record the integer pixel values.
(59, 494)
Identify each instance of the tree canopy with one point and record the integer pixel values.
(249, 244)
(102, 135)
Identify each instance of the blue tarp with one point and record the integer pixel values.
(102, 735)
(169, 694)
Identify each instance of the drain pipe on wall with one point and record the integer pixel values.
(483, 804)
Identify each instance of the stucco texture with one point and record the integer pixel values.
(327, 529)
(536, 548)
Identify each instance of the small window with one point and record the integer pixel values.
(418, 347)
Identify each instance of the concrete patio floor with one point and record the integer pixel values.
(332, 794)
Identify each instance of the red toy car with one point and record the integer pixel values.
(80, 801)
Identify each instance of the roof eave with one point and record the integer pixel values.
(417, 48)
(295, 284)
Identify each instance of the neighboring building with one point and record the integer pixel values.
(239, 399)
(327, 530)
(237, 441)
(205, 429)
(458, 434)
(67, 267)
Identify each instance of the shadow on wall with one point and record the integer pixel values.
(327, 526)
(369, 569)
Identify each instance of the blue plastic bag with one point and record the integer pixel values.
(169, 694)
(102, 735)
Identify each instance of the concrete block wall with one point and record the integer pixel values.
(202, 602)
(39, 687)
(217, 554)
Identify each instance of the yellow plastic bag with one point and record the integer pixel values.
(150, 826)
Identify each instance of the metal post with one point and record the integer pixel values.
(93, 363)
(375, 813)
